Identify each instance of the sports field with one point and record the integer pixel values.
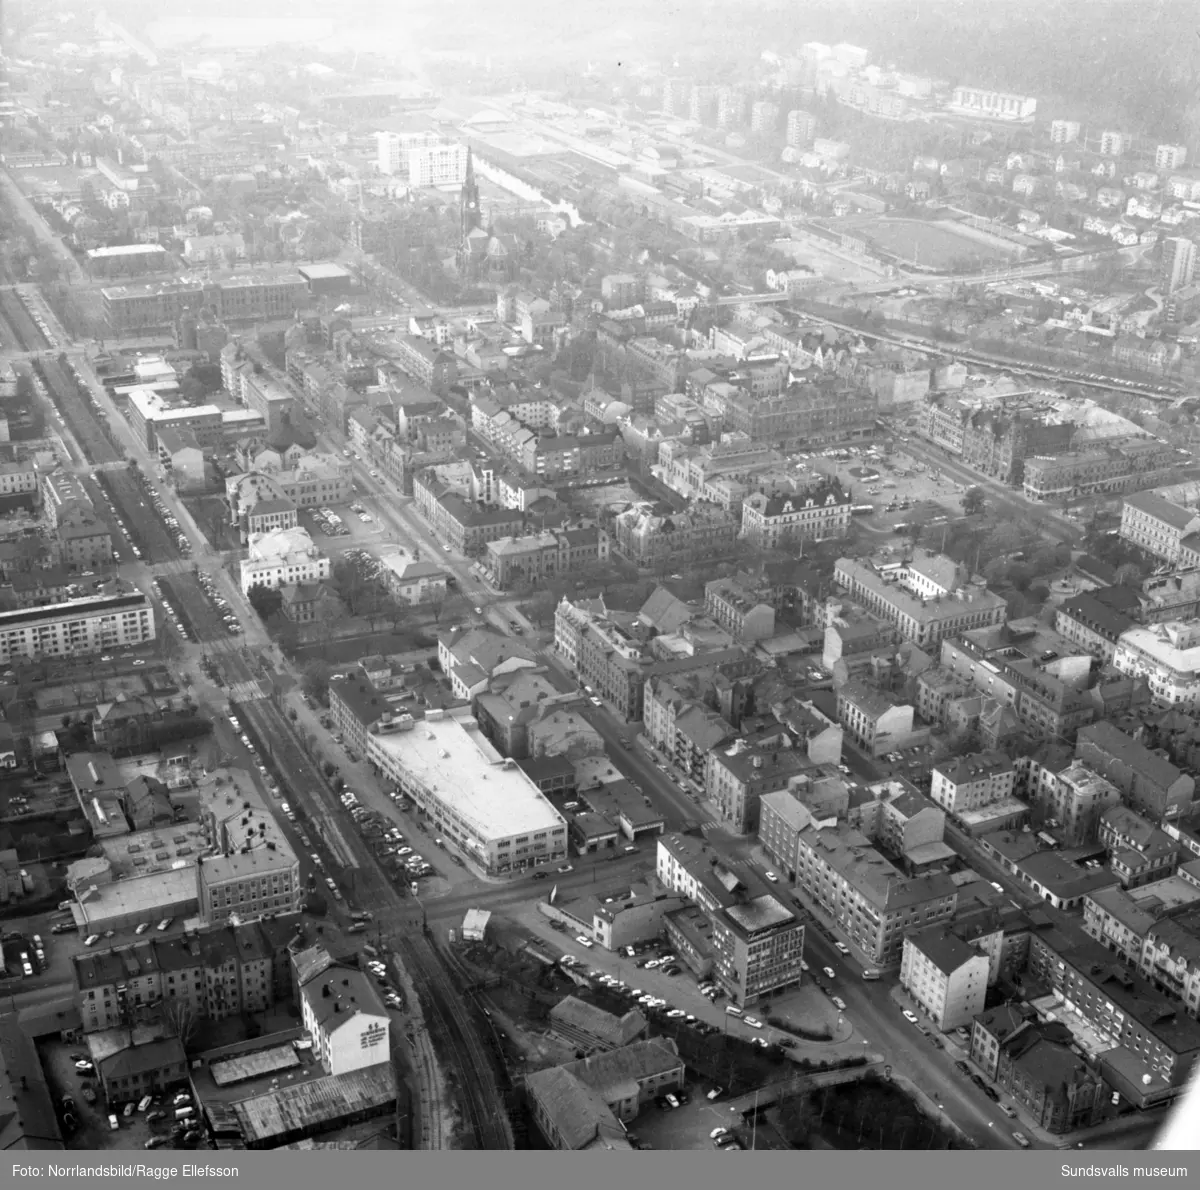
(933, 245)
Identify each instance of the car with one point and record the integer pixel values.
(718, 1132)
(629, 850)
(839, 1003)
(584, 941)
(165, 923)
(142, 928)
(564, 868)
(676, 1013)
(84, 1064)
(715, 1093)
(538, 875)
(732, 1010)
(771, 877)
(91, 940)
(830, 973)
(1009, 1111)
(671, 1099)
(841, 948)
(752, 1021)
(911, 1017)
(1021, 1139)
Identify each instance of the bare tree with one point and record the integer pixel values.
(180, 1017)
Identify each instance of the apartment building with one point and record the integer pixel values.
(216, 972)
(1093, 624)
(874, 721)
(1167, 655)
(1153, 1047)
(742, 611)
(252, 871)
(1073, 801)
(804, 416)
(1138, 852)
(927, 600)
(682, 725)
(1157, 524)
(992, 105)
(647, 538)
(737, 776)
(76, 627)
(526, 559)
(970, 782)
(342, 1012)
(774, 521)
(1149, 783)
(945, 976)
(1110, 468)
(836, 868)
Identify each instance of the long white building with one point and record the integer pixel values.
(482, 801)
(76, 627)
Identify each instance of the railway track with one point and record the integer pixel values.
(448, 1017)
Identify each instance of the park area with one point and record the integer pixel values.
(939, 246)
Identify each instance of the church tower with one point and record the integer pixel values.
(471, 215)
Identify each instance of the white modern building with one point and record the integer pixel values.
(483, 802)
(1168, 656)
(281, 558)
(439, 164)
(76, 627)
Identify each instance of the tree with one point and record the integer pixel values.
(180, 1017)
(973, 502)
(1129, 575)
(266, 601)
(314, 681)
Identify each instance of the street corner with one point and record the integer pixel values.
(809, 1015)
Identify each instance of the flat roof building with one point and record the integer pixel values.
(485, 803)
(76, 627)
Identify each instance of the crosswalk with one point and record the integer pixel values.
(709, 825)
(245, 691)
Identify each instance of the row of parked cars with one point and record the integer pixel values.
(164, 513)
(220, 603)
(388, 843)
(330, 523)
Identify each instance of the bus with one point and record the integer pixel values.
(862, 509)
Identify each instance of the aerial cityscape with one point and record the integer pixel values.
(634, 587)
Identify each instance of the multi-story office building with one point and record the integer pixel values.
(76, 627)
(441, 164)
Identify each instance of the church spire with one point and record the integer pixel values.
(470, 197)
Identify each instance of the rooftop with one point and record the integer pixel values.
(447, 754)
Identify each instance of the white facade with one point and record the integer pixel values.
(972, 782)
(485, 803)
(76, 627)
(437, 165)
(282, 557)
(346, 1036)
(949, 984)
(1167, 656)
(992, 105)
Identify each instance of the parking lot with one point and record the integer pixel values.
(142, 516)
(691, 1125)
